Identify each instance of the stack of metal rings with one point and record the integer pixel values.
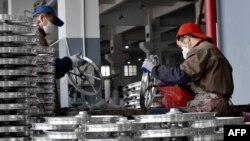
(46, 80)
(173, 126)
(59, 128)
(18, 76)
(131, 94)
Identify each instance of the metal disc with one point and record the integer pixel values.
(18, 51)
(15, 106)
(13, 117)
(9, 129)
(86, 78)
(148, 86)
(16, 73)
(15, 139)
(27, 61)
(13, 84)
(46, 69)
(19, 39)
(17, 29)
(61, 135)
(8, 95)
(5, 18)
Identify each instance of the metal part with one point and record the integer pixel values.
(15, 139)
(9, 129)
(86, 78)
(25, 50)
(46, 126)
(230, 121)
(8, 95)
(14, 73)
(47, 69)
(4, 18)
(17, 29)
(13, 117)
(106, 119)
(28, 61)
(61, 120)
(13, 84)
(61, 135)
(148, 86)
(15, 106)
(174, 117)
(19, 39)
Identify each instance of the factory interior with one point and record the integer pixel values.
(94, 77)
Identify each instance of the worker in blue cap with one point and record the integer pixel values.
(48, 21)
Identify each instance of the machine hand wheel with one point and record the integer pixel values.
(86, 77)
(148, 86)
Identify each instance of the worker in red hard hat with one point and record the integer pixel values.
(205, 69)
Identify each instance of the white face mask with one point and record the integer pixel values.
(49, 28)
(185, 50)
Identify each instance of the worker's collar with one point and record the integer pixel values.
(198, 43)
(42, 31)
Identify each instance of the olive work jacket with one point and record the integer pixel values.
(209, 70)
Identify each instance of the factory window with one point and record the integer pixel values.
(105, 70)
(130, 70)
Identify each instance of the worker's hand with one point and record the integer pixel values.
(76, 60)
(147, 65)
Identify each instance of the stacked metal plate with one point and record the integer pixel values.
(131, 94)
(107, 127)
(59, 128)
(200, 126)
(174, 126)
(18, 76)
(46, 80)
(221, 121)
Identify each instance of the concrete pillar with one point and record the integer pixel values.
(17, 7)
(82, 32)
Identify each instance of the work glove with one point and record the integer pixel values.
(147, 65)
(76, 60)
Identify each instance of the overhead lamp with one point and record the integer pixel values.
(121, 15)
(143, 6)
(126, 47)
(129, 62)
(139, 59)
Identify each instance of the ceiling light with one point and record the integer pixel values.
(139, 59)
(129, 62)
(143, 6)
(126, 47)
(121, 15)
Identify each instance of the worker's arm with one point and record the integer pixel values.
(62, 66)
(170, 75)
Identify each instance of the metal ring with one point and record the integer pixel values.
(86, 78)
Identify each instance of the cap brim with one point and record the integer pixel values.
(58, 22)
(200, 35)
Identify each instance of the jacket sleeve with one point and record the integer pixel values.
(170, 75)
(62, 66)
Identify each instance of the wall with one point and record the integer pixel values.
(17, 7)
(233, 26)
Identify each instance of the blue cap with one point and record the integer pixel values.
(49, 10)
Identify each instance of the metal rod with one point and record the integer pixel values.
(199, 17)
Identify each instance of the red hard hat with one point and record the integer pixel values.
(193, 29)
